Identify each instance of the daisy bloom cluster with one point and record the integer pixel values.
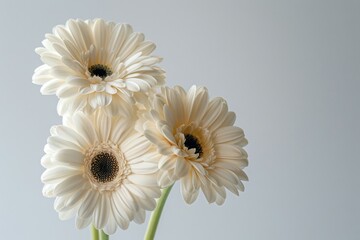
(125, 138)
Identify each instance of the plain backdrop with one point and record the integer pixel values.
(289, 69)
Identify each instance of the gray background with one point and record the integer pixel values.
(289, 69)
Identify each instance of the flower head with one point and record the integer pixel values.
(199, 144)
(100, 170)
(96, 64)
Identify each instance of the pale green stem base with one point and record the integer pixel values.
(98, 234)
(94, 233)
(155, 216)
(103, 236)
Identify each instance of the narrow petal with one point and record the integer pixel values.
(57, 174)
(82, 222)
(101, 213)
(145, 180)
(86, 209)
(70, 157)
(70, 184)
(85, 128)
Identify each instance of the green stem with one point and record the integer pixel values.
(103, 236)
(156, 214)
(94, 233)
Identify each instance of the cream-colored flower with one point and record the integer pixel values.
(199, 144)
(100, 170)
(93, 63)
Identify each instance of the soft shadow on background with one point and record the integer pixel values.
(289, 69)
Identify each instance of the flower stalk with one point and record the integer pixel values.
(156, 214)
(94, 233)
(103, 236)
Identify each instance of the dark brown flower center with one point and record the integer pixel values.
(104, 167)
(193, 142)
(100, 70)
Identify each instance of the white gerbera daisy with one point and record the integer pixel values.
(199, 144)
(93, 63)
(100, 170)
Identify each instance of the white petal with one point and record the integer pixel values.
(42, 75)
(50, 87)
(66, 91)
(134, 189)
(86, 89)
(101, 213)
(141, 84)
(138, 150)
(140, 217)
(48, 191)
(229, 134)
(229, 151)
(66, 215)
(231, 164)
(100, 33)
(74, 65)
(118, 37)
(119, 130)
(121, 212)
(99, 100)
(151, 192)
(75, 199)
(220, 198)
(130, 44)
(200, 169)
(145, 180)
(188, 196)
(146, 48)
(78, 81)
(167, 133)
(227, 175)
(62, 72)
(70, 184)
(167, 162)
(132, 59)
(82, 222)
(55, 143)
(123, 205)
(86, 209)
(164, 178)
(70, 135)
(198, 103)
(109, 89)
(163, 146)
(181, 167)
(226, 183)
(132, 86)
(111, 226)
(85, 128)
(50, 59)
(209, 192)
(215, 114)
(70, 105)
(144, 167)
(56, 174)
(70, 156)
(104, 126)
(46, 161)
(77, 34)
(62, 50)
